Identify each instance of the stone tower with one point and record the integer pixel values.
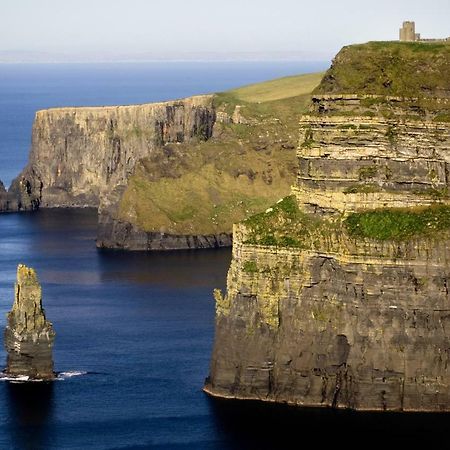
(408, 32)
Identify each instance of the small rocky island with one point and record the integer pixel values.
(29, 335)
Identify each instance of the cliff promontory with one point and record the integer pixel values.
(337, 296)
(167, 175)
(29, 335)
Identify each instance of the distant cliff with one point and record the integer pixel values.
(79, 154)
(337, 296)
(166, 175)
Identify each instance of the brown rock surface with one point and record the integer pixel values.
(317, 316)
(29, 335)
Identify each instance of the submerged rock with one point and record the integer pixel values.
(29, 335)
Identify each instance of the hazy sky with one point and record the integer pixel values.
(317, 27)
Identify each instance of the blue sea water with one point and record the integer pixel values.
(136, 330)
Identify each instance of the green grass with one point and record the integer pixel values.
(390, 68)
(282, 225)
(204, 187)
(399, 224)
(285, 225)
(278, 89)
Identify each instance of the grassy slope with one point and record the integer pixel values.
(205, 187)
(390, 68)
(281, 88)
(285, 225)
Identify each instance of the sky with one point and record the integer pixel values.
(171, 28)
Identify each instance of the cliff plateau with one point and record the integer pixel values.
(167, 175)
(337, 296)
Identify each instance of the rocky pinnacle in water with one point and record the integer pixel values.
(29, 335)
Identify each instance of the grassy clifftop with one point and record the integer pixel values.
(205, 187)
(409, 69)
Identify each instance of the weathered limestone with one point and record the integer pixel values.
(79, 155)
(29, 335)
(344, 321)
(335, 329)
(348, 161)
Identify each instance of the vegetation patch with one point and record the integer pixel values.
(389, 68)
(283, 225)
(250, 267)
(368, 172)
(399, 224)
(203, 187)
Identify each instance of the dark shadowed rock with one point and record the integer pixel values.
(29, 335)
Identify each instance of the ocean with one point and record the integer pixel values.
(135, 330)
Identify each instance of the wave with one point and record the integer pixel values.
(70, 374)
(27, 379)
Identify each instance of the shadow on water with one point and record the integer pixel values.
(263, 426)
(30, 409)
(178, 269)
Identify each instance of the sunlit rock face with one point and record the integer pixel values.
(318, 313)
(29, 335)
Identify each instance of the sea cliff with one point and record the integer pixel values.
(79, 154)
(337, 296)
(166, 175)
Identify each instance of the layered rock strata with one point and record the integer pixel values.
(363, 325)
(338, 296)
(29, 335)
(79, 155)
(349, 161)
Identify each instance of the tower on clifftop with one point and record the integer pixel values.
(408, 32)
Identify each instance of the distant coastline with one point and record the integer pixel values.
(17, 57)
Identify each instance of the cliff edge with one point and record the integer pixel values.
(167, 175)
(337, 296)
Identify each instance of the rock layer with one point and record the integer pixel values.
(336, 329)
(79, 155)
(29, 335)
(317, 316)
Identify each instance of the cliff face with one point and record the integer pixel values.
(79, 154)
(29, 335)
(335, 328)
(336, 296)
(369, 151)
(169, 175)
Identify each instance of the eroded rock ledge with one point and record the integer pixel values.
(344, 330)
(29, 335)
(338, 296)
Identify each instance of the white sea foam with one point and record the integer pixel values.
(20, 379)
(74, 373)
(24, 378)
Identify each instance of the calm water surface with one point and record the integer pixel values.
(139, 327)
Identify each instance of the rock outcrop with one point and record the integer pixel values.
(29, 335)
(338, 295)
(172, 175)
(79, 155)
(8, 200)
(3, 197)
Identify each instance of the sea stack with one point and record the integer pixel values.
(29, 335)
